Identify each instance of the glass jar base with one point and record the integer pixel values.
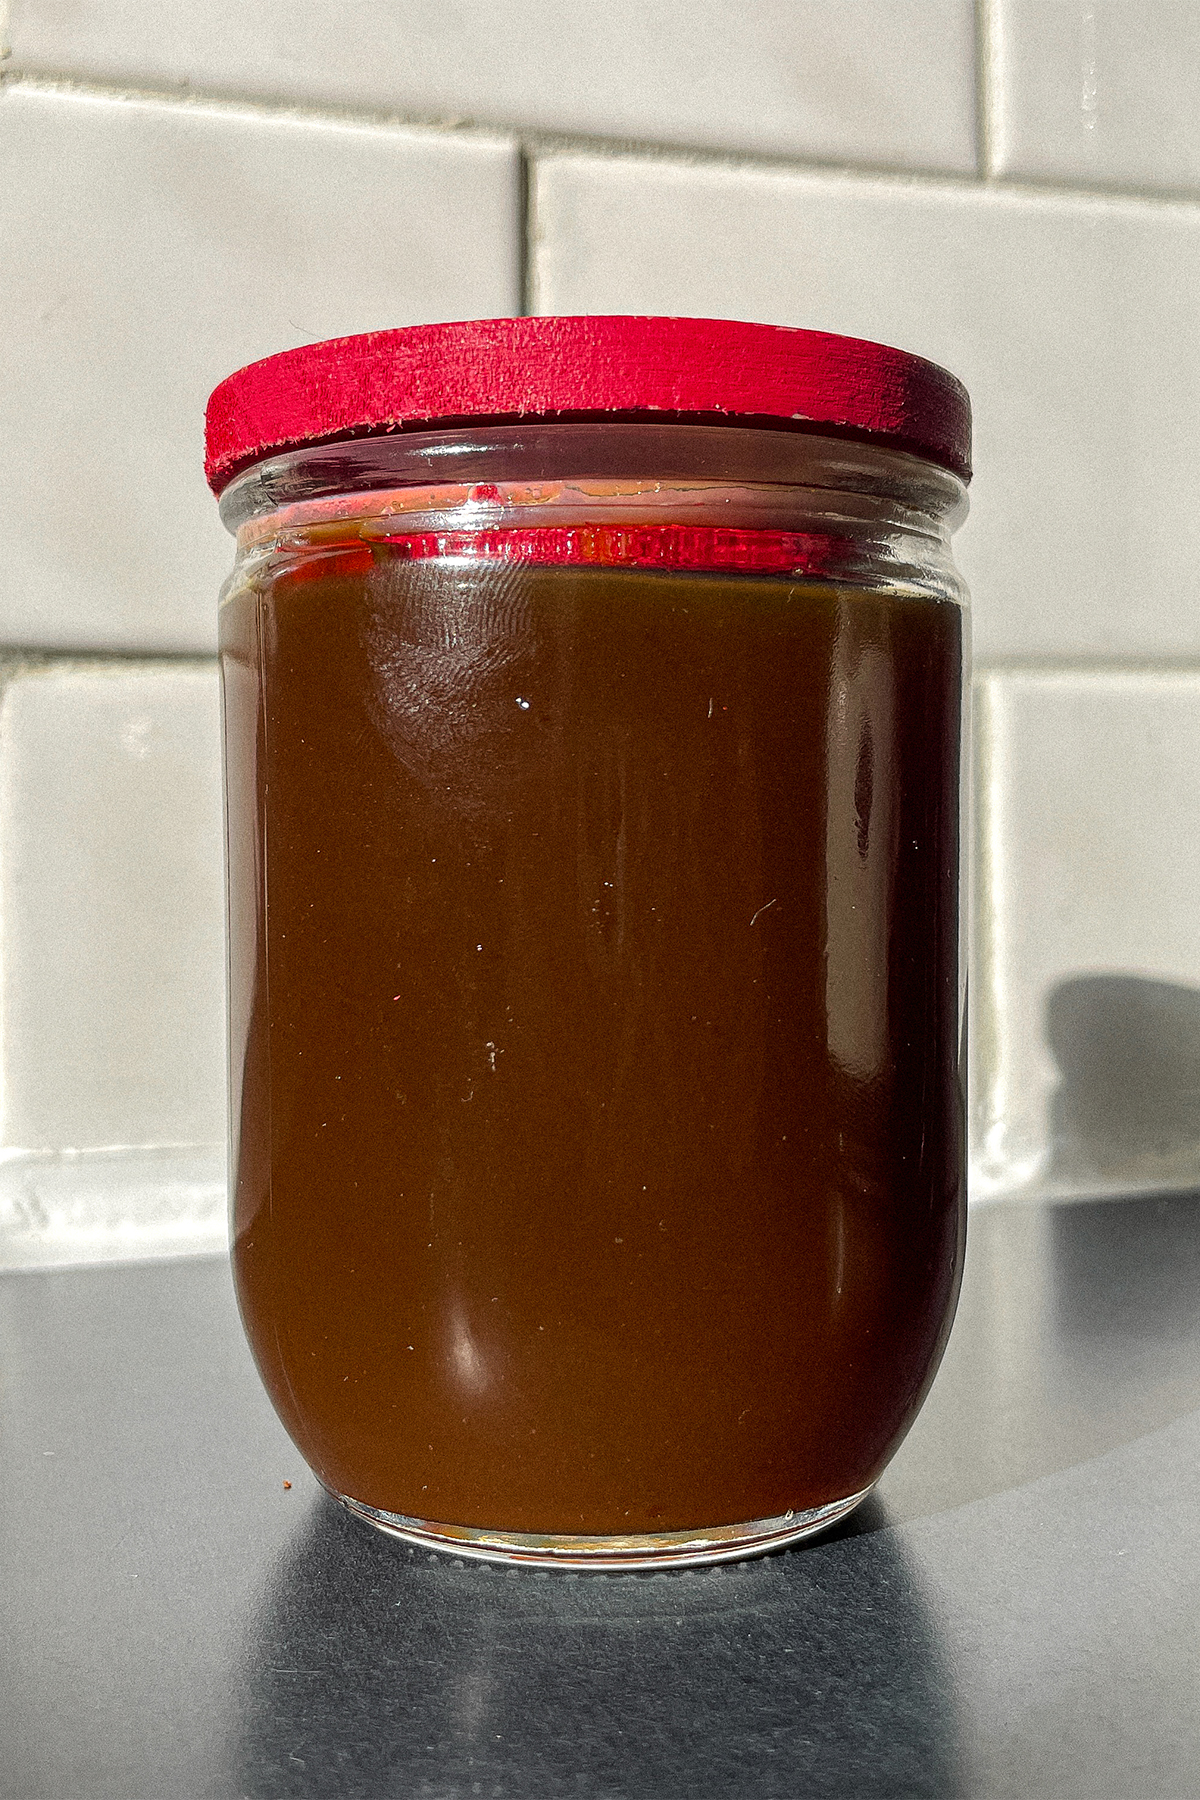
(650, 1550)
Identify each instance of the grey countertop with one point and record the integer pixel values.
(1013, 1613)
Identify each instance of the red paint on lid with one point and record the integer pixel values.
(507, 371)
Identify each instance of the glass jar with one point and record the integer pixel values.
(593, 699)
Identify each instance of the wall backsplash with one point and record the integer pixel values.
(1011, 188)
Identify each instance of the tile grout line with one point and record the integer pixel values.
(241, 105)
(985, 87)
(17, 662)
(544, 148)
(526, 232)
(540, 145)
(1085, 667)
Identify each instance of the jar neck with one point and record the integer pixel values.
(696, 496)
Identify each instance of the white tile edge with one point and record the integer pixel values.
(482, 134)
(69, 1208)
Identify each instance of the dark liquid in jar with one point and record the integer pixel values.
(595, 973)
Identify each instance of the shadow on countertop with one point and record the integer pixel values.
(371, 1670)
(1079, 1324)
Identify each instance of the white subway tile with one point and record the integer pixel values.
(149, 250)
(1102, 92)
(879, 81)
(112, 1012)
(1086, 986)
(111, 948)
(1072, 323)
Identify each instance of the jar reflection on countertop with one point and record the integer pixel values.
(593, 828)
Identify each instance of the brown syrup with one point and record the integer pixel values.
(597, 1079)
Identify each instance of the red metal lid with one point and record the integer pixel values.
(505, 371)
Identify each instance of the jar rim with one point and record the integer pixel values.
(558, 369)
